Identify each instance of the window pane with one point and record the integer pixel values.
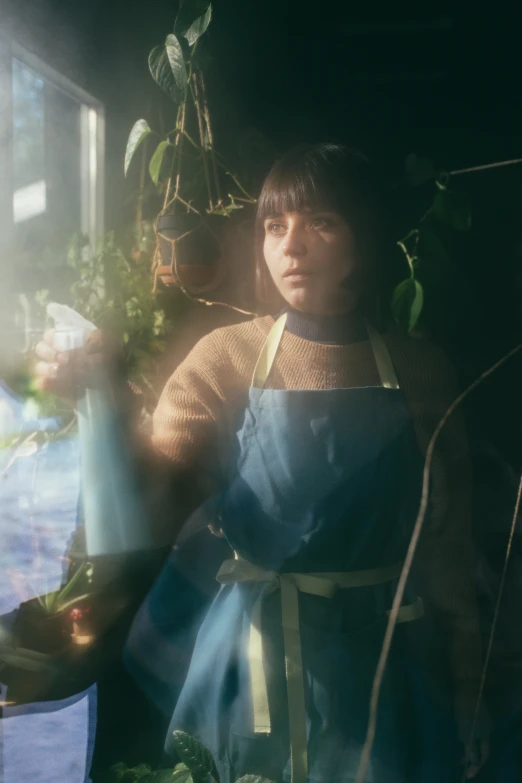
(29, 198)
(50, 202)
(63, 157)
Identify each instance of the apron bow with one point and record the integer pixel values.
(290, 584)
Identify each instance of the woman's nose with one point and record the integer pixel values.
(294, 244)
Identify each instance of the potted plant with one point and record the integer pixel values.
(199, 188)
(47, 655)
(49, 623)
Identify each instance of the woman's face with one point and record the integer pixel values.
(312, 258)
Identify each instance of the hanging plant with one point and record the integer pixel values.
(199, 187)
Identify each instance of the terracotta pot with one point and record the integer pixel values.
(198, 262)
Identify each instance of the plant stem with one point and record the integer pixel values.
(408, 562)
(486, 166)
(410, 259)
(233, 177)
(410, 234)
(189, 137)
(243, 200)
(223, 164)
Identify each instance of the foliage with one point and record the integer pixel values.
(189, 172)
(143, 773)
(424, 247)
(60, 600)
(195, 755)
(253, 779)
(113, 289)
(197, 766)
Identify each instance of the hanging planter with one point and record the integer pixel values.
(199, 188)
(190, 253)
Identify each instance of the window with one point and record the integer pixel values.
(57, 133)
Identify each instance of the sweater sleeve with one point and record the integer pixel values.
(445, 558)
(181, 467)
(190, 407)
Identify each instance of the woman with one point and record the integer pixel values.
(322, 417)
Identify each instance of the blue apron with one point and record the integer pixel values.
(318, 513)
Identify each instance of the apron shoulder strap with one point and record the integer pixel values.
(268, 353)
(383, 360)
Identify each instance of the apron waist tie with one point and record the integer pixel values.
(321, 584)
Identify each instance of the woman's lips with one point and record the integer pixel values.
(297, 275)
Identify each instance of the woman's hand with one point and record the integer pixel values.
(67, 373)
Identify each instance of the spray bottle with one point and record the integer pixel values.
(114, 515)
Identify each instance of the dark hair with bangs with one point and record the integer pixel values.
(333, 177)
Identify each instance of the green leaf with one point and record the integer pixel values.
(116, 772)
(462, 215)
(189, 12)
(73, 581)
(431, 248)
(139, 133)
(177, 63)
(253, 779)
(157, 160)
(453, 207)
(182, 776)
(442, 206)
(198, 27)
(194, 754)
(51, 600)
(433, 265)
(140, 771)
(168, 776)
(419, 170)
(407, 303)
(62, 606)
(161, 71)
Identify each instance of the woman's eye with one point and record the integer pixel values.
(320, 222)
(275, 228)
